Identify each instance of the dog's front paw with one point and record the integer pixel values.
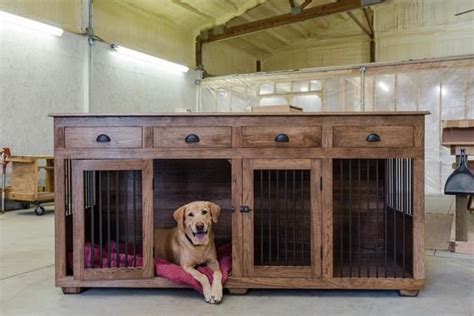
(208, 296)
(216, 292)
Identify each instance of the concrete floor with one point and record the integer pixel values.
(27, 287)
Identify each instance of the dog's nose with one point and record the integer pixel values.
(200, 227)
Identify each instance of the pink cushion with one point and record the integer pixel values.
(176, 274)
(163, 268)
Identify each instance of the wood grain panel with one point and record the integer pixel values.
(208, 137)
(59, 220)
(247, 218)
(237, 230)
(316, 250)
(262, 283)
(418, 219)
(147, 218)
(309, 136)
(86, 137)
(355, 136)
(327, 218)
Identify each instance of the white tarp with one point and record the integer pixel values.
(445, 88)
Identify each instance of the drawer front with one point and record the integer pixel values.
(286, 136)
(373, 136)
(103, 137)
(190, 137)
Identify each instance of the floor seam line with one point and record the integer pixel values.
(26, 272)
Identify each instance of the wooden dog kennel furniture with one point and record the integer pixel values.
(320, 201)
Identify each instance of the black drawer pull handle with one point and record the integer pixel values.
(373, 137)
(192, 138)
(282, 138)
(103, 138)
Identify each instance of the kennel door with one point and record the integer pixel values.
(282, 217)
(112, 219)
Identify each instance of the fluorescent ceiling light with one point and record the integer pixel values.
(150, 59)
(30, 24)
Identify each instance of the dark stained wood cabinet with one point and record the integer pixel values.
(324, 201)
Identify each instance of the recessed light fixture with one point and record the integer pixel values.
(29, 24)
(168, 65)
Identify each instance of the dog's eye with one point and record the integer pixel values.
(203, 212)
(191, 214)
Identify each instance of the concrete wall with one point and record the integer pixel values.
(39, 74)
(121, 84)
(63, 13)
(42, 74)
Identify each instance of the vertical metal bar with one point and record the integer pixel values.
(410, 187)
(70, 186)
(100, 219)
(269, 217)
(277, 217)
(302, 217)
(385, 236)
(341, 221)
(360, 211)
(350, 218)
(261, 217)
(108, 218)
(286, 216)
(376, 216)
(134, 218)
(404, 178)
(294, 216)
(84, 192)
(367, 196)
(127, 220)
(117, 223)
(394, 265)
(90, 189)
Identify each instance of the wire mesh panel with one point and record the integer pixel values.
(373, 203)
(113, 219)
(282, 218)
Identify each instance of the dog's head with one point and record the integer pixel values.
(196, 220)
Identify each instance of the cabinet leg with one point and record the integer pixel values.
(238, 291)
(410, 293)
(72, 290)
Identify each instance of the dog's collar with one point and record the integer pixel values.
(190, 240)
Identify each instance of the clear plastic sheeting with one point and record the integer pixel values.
(442, 87)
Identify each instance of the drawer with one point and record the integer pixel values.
(373, 136)
(189, 137)
(103, 137)
(286, 136)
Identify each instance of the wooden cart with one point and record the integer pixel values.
(25, 187)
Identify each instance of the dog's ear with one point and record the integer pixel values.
(179, 216)
(215, 211)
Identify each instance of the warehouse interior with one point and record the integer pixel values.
(324, 56)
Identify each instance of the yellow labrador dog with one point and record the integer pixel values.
(192, 243)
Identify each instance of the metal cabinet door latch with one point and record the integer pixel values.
(245, 209)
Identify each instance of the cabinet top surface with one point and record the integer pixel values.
(236, 114)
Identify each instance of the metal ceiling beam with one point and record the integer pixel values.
(284, 19)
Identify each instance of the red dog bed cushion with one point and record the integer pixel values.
(163, 268)
(176, 274)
